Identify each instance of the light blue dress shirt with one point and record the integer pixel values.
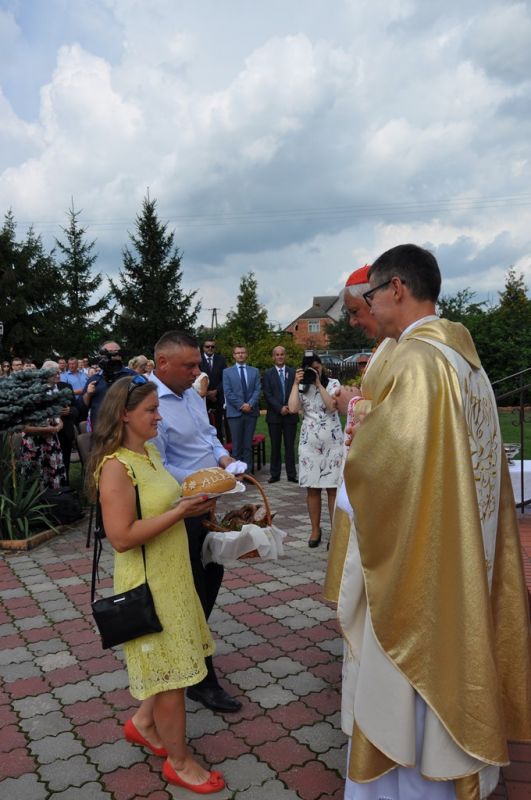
(186, 440)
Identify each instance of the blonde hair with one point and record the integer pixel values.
(136, 361)
(108, 434)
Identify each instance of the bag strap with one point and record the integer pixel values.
(99, 535)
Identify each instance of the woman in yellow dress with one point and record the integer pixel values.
(159, 665)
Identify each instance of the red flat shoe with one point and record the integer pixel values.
(133, 735)
(215, 782)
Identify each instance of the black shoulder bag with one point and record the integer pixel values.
(124, 616)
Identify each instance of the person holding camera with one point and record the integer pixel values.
(321, 438)
(112, 368)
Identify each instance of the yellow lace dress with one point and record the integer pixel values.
(173, 658)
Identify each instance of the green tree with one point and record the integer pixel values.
(149, 291)
(248, 323)
(459, 307)
(85, 322)
(29, 290)
(342, 336)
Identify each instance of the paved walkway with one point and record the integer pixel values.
(64, 699)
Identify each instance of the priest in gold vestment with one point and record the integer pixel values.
(431, 595)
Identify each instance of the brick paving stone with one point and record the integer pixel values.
(26, 787)
(65, 613)
(303, 683)
(111, 680)
(271, 631)
(71, 674)
(27, 687)
(106, 662)
(25, 623)
(218, 747)
(136, 781)
(11, 738)
(41, 704)
(250, 591)
(231, 662)
(62, 775)
(100, 732)
(312, 780)
(120, 698)
(227, 626)
(320, 737)
(241, 773)
(334, 646)
(294, 715)
(281, 667)
(243, 640)
(15, 672)
(518, 791)
(54, 661)
(259, 730)
(327, 702)
(91, 710)
(45, 646)
(39, 634)
(271, 696)
(73, 692)
(7, 594)
(90, 791)
(42, 725)
(249, 678)
(17, 764)
(24, 601)
(52, 748)
(336, 758)
(312, 656)
(330, 672)
(108, 757)
(284, 753)
(292, 641)
(8, 629)
(260, 652)
(204, 721)
(270, 790)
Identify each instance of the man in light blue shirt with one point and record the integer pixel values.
(187, 442)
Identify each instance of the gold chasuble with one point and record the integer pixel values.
(432, 602)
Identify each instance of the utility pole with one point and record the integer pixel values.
(213, 319)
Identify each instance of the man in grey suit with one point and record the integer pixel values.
(278, 381)
(241, 387)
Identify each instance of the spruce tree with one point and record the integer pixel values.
(149, 291)
(84, 322)
(248, 322)
(29, 291)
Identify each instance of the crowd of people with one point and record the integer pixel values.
(424, 564)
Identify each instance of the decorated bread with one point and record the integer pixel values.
(212, 480)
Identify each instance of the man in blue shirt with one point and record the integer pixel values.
(74, 377)
(187, 442)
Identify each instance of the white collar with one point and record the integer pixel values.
(421, 321)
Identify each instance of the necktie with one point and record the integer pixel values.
(282, 378)
(244, 384)
(209, 359)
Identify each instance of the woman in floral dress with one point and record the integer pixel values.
(321, 439)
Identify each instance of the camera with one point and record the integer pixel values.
(110, 363)
(310, 375)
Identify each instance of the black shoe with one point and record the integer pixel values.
(293, 480)
(273, 480)
(315, 542)
(213, 697)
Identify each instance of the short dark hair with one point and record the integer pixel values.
(176, 339)
(414, 265)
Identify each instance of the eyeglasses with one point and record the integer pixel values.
(136, 381)
(209, 346)
(368, 296)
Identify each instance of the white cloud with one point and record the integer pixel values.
(288, 140)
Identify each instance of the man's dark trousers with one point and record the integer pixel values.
(207, 580)
(286, 429)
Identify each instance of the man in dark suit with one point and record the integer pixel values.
(278, 382)
(213, 364)
(241, 386)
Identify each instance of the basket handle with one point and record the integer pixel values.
(258, 485)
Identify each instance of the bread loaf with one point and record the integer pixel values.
(212, 480)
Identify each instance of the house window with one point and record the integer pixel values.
(314, 326)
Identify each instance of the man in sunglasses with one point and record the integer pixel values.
(432, 602)
(112, 368)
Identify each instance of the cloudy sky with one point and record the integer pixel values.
(295, 138)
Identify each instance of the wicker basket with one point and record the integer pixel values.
(213, 525)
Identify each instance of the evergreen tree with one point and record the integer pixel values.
(342, 336)
(248, 323)
(149, 291)
(29, 292)
(84, 322)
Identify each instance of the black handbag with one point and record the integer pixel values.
(124, 616)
